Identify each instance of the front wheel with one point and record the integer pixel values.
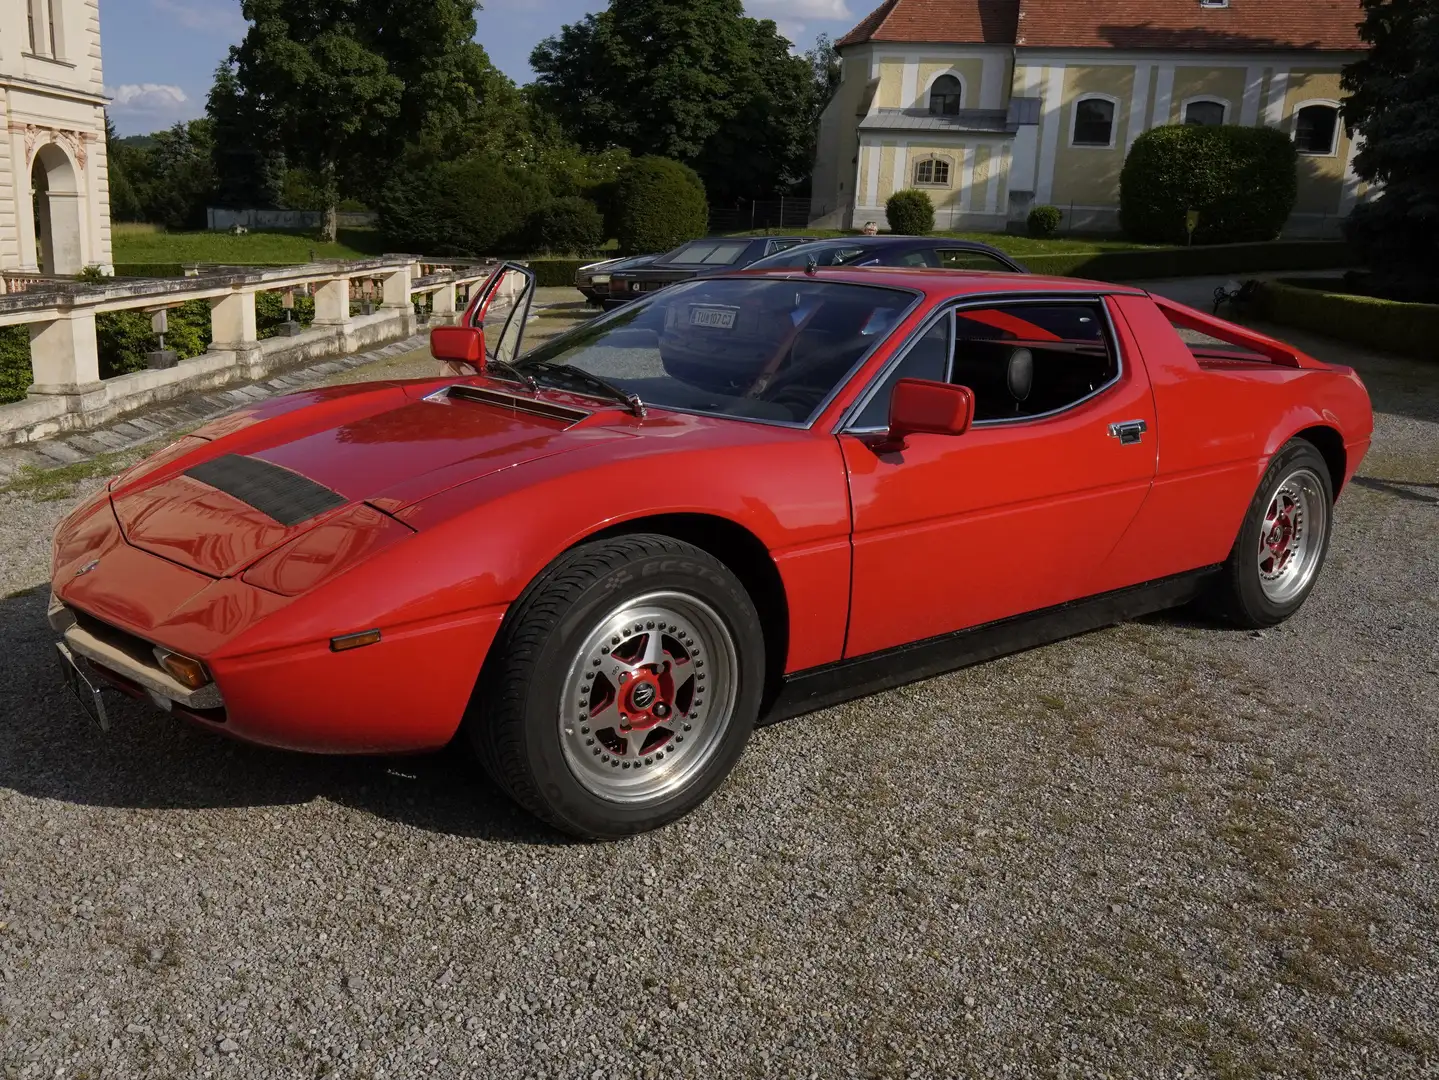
(1282, 543)
(623, 687)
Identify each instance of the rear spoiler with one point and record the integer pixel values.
(1231, 334)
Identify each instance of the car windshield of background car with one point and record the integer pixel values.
(759, 349)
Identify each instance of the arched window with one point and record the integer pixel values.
(932, 171)
(944, 95)
(1093, 122)
(1316, 129)
(1206, 111)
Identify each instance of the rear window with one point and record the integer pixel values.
(709, 253)
(762, 349)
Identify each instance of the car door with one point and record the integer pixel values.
(501, 309)
(1018, 513)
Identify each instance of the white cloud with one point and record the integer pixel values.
(809, 9)
(148, 97)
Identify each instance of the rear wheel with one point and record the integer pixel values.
(1282, 544)
(623, 688)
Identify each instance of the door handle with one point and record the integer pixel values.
(1128, 431)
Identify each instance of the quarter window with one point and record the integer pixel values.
(933, 171)
(1093, 122)
(944, 96)
(928, 358)
(1316, 128)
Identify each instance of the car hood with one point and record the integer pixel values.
(255, 481)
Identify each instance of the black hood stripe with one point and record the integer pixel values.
(275, 491)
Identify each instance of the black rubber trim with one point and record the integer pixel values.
(276, 492)
(831, 684)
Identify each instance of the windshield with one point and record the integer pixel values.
(709, 253)
(838, 253)
(760, 349)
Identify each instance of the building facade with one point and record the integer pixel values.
(995, 106)
(54, 190)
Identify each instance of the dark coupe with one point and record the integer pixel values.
(692, 260)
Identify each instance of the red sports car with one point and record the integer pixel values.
(602, 561)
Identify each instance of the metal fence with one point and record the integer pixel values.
(773, 215)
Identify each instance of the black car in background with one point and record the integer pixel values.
(935, 252)
(689, 260)
(593, 279)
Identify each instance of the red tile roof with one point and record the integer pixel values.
(989, 22)
(1244, 25)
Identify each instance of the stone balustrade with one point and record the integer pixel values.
(69, 395)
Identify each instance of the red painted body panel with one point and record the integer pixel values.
(453, 506)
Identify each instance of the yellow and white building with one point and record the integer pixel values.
(54, 187)
(995, 106)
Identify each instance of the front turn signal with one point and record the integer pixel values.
(185, 670)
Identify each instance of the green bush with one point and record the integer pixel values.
(659, 204)
(15, 374)
(568, 225)
(1194, 261)
(473, 206)
(1389, 325)
(1241, 180)
(555, 273)
(124, 337)
(910, 213)
(270, 312)
(1043, 221)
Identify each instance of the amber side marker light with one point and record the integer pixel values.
(354, 641)
(183, 669)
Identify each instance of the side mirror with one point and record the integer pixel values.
(922, 407)
(459, 345)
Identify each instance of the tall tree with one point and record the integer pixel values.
(694, 80)
(249, 168)
(311, 72)
(124, 200)
(1394, 104)
(181, 178)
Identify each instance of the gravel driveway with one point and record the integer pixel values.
(1160, 850)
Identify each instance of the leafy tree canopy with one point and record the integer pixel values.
(1394, 103)
(693, 80)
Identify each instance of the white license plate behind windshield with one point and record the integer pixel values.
(719, 318)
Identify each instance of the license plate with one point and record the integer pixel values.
(719, 318)
(87, 692)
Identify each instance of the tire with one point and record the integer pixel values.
(623, 686)
(1282, 544)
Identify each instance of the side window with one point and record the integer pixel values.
(1023, 360)
(961, 259)
(927, 358)
(774, 247)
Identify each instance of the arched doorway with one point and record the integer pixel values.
(57, 202)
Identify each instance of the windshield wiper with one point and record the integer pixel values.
(623, 396)
(514, 374)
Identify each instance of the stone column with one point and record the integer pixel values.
(232, 321)
(396, 289)
(332, 303)
(64, 354)
(443, 312)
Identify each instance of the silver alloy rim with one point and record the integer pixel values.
(1291, 536)
(649, 697)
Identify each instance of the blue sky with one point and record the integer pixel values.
(159, 55)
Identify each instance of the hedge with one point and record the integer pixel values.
(1194, 261)
(1388, 325)
(550, 273)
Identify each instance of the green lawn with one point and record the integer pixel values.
(146, 244)
(1015, 245)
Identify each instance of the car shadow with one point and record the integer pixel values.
(49, 749)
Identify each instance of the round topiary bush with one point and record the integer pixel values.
(659, 204)
(910, 212)
(473, 206)
(1241, 180)
(569, 226)
(1043, 221)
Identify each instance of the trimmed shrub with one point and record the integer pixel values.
(553, 273)
(15, 374)
(1242, 180)
(659, 204)
(568, 225)
(1043, 221)
(910, 212)
(1390, 325)
(1194, 261)
(473, 206)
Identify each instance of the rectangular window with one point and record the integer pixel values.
(30, 12)
(1093, 122)
(54, 37)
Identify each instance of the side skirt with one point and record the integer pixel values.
(844, 680)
